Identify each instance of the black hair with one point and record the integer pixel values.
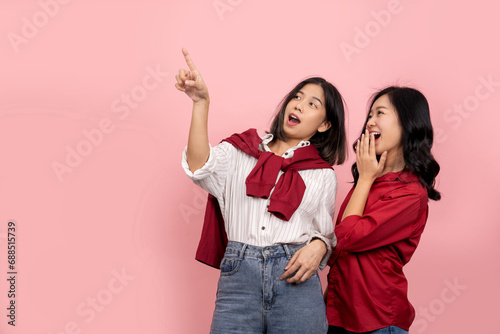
(413, 112)
(331, 144)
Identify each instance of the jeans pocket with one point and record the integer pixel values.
(229, 266)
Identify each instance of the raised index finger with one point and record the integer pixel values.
(189, 61)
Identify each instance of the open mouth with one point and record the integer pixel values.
(376, 135)
(293, 120)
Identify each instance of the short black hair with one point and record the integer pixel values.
(331, 144)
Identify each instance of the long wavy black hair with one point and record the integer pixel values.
(413, 113)
(331, 144)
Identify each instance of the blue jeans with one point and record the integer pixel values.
(386, 330)
(251, 298)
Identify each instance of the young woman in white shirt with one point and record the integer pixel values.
(269, 281)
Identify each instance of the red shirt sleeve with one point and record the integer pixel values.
(388, 220)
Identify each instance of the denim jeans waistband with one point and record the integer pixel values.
(242, 250)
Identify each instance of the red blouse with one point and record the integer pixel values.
(367, 289)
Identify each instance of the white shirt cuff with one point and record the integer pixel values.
(205, 171)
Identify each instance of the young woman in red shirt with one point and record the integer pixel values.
(383, 216)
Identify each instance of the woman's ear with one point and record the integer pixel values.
(324, 126)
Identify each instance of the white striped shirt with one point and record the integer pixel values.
(247, 219)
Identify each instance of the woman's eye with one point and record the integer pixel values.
(312, 104)
(297, 97)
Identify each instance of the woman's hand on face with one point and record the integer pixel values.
(366, 158)
(191, 82)
(305, 262)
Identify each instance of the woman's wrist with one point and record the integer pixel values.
(366, 180)
(202, 102)
(320, 244)
(201, 107)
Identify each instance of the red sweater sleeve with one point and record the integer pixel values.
(388, 220)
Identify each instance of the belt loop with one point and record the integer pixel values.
(242, 251)
(287, 251)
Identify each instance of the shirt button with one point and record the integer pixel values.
(286, 153)
(263, 228)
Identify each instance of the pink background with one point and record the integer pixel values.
(107, 245)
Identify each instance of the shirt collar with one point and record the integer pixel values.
(403, 175)
(289, 153)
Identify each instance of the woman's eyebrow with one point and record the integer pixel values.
(379, 107)
(314, 97)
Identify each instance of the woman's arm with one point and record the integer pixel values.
(309, 258)
(388, 220)
(369, 169)
(392, 218)
(191, 82)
